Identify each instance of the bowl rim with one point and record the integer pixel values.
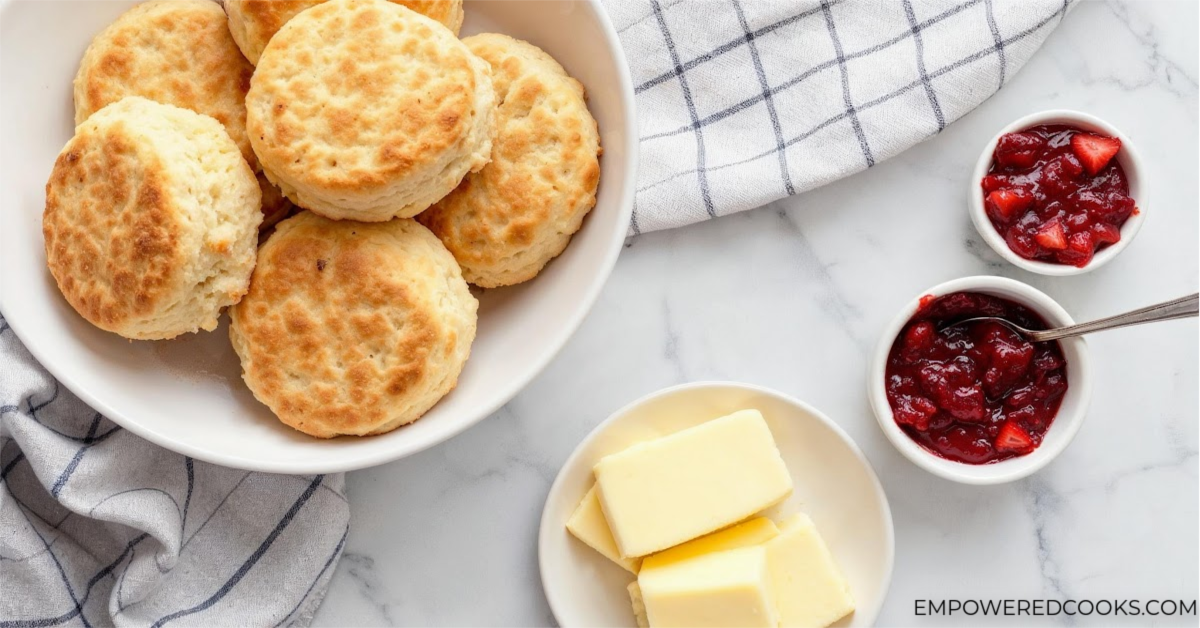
(403, 448)
(558, 486)
(1068, 425)
(1128, 157)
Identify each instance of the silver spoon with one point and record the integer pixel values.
(1186, 307)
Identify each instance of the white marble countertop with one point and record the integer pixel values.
(792, 296)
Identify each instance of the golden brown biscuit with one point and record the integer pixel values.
(151, 220)
(352, 328)
(505, 222)
(365, 110)
(177, 52)
(254, 22)
(275, 206)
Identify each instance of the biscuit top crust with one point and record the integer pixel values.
(254, 22)
(504, 222)
(352, 95)
(350, 327)
(111, 225)
(447, 12)
(177, 52)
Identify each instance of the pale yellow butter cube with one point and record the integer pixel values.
(748, 533)
(588, 525)
(751, 532)
(670, 490)
(639, 607)
(727, 589)
(808, 588)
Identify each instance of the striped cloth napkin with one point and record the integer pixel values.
(99, 527)
(741, 102)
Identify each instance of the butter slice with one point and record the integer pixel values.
(752, 532)
(722, 589)
(639, 607)
(670, 490)
(807, 586)
(588, 525)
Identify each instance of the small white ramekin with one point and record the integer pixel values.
(1127, 157)
(1062, 430)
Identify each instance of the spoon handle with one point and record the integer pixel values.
(1185, 307)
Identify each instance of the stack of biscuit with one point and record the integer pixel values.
(410, 163)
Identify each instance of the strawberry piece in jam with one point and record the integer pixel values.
(1057, 194)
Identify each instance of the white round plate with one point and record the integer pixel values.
(834, 484)
(187, 394)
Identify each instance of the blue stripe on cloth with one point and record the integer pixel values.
(753, 100)
(724, 48)
(187, 501)
(251, 561)
(74, 464)
(919, 44)
(767, 99)
(58, 524)
(53, 621)
(152, 489)
(691, 108)
(868, 105)
(33, 410)
(121, 583)
(845, 72)
(635, 22)
(991, 20)
(214, 512)
(328, 561)
(62, 573)
(11, 463)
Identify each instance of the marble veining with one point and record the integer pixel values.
(1163, 70)
(360, 568)
(793, 296)
(1043, 501)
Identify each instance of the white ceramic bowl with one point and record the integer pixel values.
(834, 484)
(187, 394)
(1127, 157)
(1066, 423)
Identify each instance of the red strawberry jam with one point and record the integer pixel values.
(1056, 194)
(978, 392)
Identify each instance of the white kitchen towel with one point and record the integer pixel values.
(99, 527)
(743, 102)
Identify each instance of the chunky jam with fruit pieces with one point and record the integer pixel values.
(977, 392)
(1056, 194)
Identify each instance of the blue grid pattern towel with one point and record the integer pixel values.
(743, 102)
(99, 527)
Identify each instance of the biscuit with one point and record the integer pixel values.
(254, 22)
(505, 222)
(352, 328)
(365, 110)
(177, 52)
(275, 206)
(151, 220)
